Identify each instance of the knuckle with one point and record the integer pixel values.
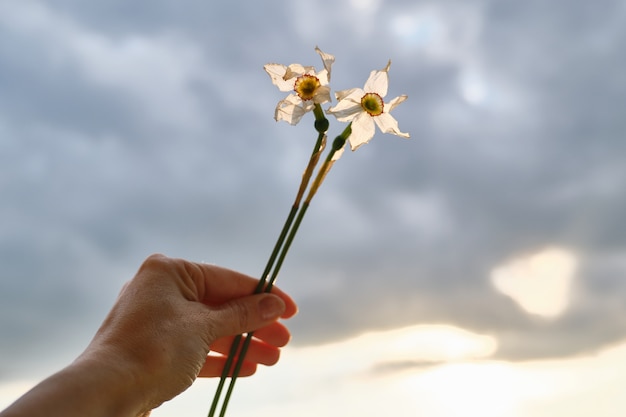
(242, 315)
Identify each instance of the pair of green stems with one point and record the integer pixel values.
(292, 223)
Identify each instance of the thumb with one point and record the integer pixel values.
(246, 314)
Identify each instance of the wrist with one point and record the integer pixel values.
(87, 388)
(110, 384)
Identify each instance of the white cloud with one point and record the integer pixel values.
(540, 283)
(441, 33)
(155, 73)
(366, 6)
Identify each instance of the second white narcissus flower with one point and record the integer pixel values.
(366, 108)
(308, 87)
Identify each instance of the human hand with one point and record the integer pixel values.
(156, 338)
(173, 312)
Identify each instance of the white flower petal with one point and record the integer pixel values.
(276, 73)
(323, 76)
(387, 124)
(393, 103)
(322, 95)
(345, 102)
(345, 110)
(327, 59)
(296, 70)
(291, 109)
(348, 106)
(378, 81)
(362, 130)
(353, 94)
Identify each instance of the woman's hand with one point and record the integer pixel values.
(156, 340)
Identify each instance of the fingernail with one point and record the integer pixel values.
(271, 307)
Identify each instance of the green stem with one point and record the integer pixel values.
(338, 144)
(321, 125)
(268, 288)
(235, 345)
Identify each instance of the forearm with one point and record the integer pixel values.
(83, 389)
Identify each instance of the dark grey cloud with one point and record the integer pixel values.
(128, 129)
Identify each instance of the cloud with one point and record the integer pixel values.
(130, 133)
(328, 380)
(154, 77)
(539, 283)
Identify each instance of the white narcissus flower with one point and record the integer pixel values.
(308, 87)
(366, 107)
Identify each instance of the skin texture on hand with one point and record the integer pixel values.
(156, 340)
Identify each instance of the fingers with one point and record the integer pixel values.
(276, 334)
(258, 351)
(217, 285)
(232, 306)
(245, 314)
(214, 364)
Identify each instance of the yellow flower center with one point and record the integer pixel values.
(373, 104)
(306, 85)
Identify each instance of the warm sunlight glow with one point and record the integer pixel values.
(489, 389)
(11, 390)
(433, 343)
(540, 283)
(346, 379)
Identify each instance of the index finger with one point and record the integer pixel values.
(217, 285)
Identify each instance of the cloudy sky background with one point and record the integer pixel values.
(478, 266)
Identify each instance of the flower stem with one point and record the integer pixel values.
(338, 145)
(321, 125)
(268, 288)
(236, 342)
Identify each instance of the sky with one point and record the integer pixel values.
(478, 267)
